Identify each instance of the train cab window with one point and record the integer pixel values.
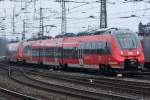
(127, 42)
(126, 39)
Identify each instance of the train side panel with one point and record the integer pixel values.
(79, 52)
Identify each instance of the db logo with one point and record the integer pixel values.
(130, 53)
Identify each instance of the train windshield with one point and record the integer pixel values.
(127, 41)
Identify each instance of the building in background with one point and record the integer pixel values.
(144, 30)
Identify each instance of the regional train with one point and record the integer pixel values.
(110, 50)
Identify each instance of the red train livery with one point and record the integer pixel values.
(14, 52)
(112, 50)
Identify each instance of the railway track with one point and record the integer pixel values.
(68, 90)
(96, 82)
(104, 83)
(27, 80)
(17, 95)
(14, 94)
(141, 75)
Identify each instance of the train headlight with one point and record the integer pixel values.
(137, 52)
(121, 52)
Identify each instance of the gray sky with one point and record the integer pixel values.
(77, 17)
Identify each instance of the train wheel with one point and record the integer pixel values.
(56, 67)
(18, 62)
(110, 70)
(24, 62)
(106, 69)
(102, 69)
(64, 66)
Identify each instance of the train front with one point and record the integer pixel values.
(128, 50)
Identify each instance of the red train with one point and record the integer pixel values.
(112, 50)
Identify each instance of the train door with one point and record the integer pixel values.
(30, 53)
(27, 54)
(80, 53)
(56, 55)
(61, 54)
(20, 53)
(39, 54)
(104, 46)
(102, 56)
(33, 54)
(107, 51)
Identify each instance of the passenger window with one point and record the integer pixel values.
(108, 48)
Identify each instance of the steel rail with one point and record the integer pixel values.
(98, 83)
(105, 84)
(16, 94)
(69, 90)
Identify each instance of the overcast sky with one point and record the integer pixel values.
(77, 15)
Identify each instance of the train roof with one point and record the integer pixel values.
(85, 33)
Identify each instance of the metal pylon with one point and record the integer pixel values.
(103, 14)
(64, 21)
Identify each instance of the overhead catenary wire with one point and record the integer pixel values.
(79, 6)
